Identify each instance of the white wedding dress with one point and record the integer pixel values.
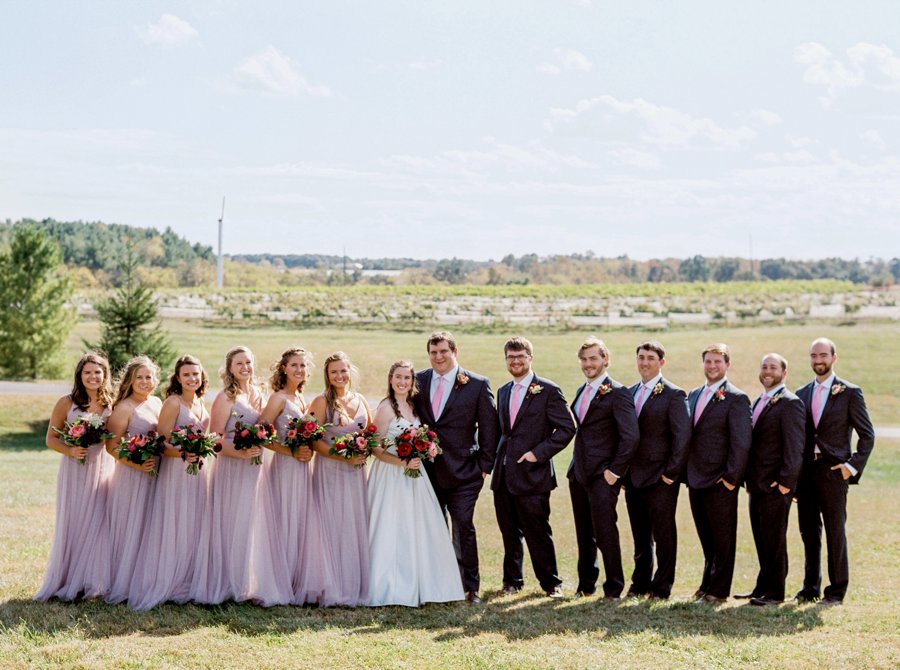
(412, 557)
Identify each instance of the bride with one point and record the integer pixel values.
(412, 557)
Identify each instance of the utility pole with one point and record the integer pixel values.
(219, 262)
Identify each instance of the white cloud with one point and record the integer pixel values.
(872, 64)
(765, 117)
(612, 120)
(636, 158)
(168, 31)
(423, 65)
(273, 73)
(874, 137)
(566, 59)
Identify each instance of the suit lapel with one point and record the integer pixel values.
(830, 398)
(427, 376)
(503, 404)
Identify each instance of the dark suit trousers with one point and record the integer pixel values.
(822, 497)
(769, 519)
(460, 502)
(651, 511)
(594, 509)
(528, 517)
(715, 516)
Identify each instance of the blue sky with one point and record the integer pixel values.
(460, 128)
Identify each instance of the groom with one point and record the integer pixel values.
(459, 406)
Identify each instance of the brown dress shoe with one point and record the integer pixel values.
(510, 590)
(472, 598)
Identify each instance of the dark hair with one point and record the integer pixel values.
(278, 380)
(439, 336)
(79, 394)
(654, 346)
(517, 343)
(175, 387)
(413, 390)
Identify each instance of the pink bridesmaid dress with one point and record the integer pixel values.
(129, 506)
(289, 565)
(165, 565)
(78, 564)
(222, 571)
(340, 489)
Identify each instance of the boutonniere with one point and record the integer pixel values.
(603, 389)
(838, 388)
(534, 389)
(657, 389)
(775, 398)
(462, 379)
(719, 395)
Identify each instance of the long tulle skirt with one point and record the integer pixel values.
(78, 564)
(129, 506)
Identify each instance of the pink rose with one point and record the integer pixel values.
(77, 430)
(261, 434)
(361, 442)
(245, 432)
(131, 447)
(292, 434)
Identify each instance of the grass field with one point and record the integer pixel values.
(523, 631)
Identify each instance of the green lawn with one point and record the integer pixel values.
(523, 631)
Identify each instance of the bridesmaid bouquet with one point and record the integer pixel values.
(421, 442)
(249, 435)
(141, 448)
(84, 432)
(302, 431)
(192, 441)
(357, 443)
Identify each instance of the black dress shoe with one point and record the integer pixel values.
(658, 596)
(556, 592)
(805, 596)
(510, 590)
(764, 602)
(832, 600)
(635, 594)
(612, 599)
(710, 599)
(746, 596)
(472, 598)
(582, 594)
(699, 593)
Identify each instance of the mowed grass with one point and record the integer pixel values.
(523, 631)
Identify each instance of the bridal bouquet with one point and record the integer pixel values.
(421, 442)
(249, 435)
(84, 432)
(141, 448)
(193, 441)
(357, 443)
(302, 431)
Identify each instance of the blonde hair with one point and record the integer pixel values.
(278, 380)
(129, 372)
(592, 341)
(333, 407)
(230, 385)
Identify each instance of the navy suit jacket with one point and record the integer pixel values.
(843, 413)
(543, 426)
(608, 436)
(776, 453)
(467, 428)
(665, 434)
(720, 441)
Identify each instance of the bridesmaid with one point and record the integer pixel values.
(340, 486)
(222, 571)
(165, 565)
(135, 412)
(77, 567)
(289, 565)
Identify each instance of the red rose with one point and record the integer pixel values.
(403, 450)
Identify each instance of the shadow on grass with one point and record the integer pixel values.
(30, 439)
(519, 618)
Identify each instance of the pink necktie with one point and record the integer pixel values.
(515, 403)
(818, 402)
(760, 406)
(642, 396)
(438, 396)
(704, 398)
(585, 401)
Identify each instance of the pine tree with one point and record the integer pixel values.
(35, 319)
(127, 321)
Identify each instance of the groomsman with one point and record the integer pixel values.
(776, 453)
(459, 406)
(835, 409)
(720, 445)
(535, 424)
(605, 443)
(651, 485)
